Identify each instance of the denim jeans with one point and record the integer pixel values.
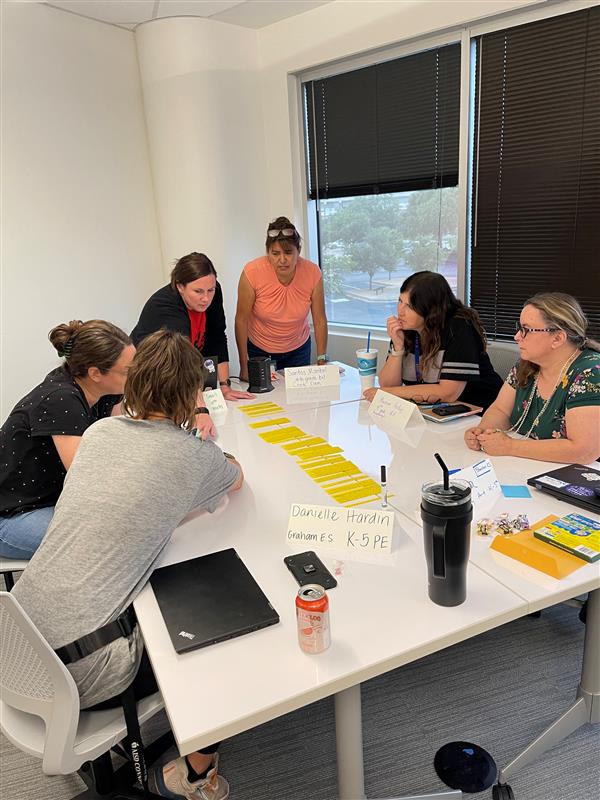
(21, 535)
(300, 357)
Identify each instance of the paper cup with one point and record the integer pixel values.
(367, 367)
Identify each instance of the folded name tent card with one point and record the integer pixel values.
(312, 376)
(481, 476)
(215, 402)
(367, 530)
(394, 412)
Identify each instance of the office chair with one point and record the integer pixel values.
(40, 714)
(10, 565)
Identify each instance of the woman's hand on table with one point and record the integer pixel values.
(472, 438)
(234, 394)
(205, 426)
(369, 394)
(495, 443)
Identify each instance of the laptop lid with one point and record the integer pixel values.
(575, 484)
(209, 599)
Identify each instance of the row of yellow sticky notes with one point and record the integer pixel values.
(260, 409)
(323, 463)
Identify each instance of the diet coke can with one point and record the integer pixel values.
(312, 616)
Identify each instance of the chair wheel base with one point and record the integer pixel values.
(502, 791)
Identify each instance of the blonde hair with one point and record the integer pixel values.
(164, 378)
(560, 311)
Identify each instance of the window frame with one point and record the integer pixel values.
(305, 209)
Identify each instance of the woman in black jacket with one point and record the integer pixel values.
(192, 304)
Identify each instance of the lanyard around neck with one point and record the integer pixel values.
(417, 357)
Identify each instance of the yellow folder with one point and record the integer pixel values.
(524, 547)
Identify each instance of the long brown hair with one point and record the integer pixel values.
(95, 343)
(560, 311)
(164, 378)
(432, 298)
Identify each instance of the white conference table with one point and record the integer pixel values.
(381, 617)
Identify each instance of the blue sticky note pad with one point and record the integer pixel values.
(515, 491)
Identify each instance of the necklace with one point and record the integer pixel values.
(532, 394)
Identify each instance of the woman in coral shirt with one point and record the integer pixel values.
(275, 294)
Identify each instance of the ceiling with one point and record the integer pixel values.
(131, 13)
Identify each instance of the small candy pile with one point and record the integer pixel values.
(502, 524)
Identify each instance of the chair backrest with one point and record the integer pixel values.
(34, 680)
(503, 355)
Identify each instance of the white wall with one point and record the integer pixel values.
(79, 234)
(202, 100)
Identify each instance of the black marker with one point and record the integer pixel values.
(383, 487)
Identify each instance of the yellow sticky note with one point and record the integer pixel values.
(268, 422)
(282, 435)
(318, 450)
(340, 492)
(308, 442)
(313, 462)
(355, 494)
(255, 406)
(331, 471)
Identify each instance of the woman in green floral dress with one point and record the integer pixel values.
(549, 407)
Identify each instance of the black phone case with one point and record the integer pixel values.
(321, 575)
(446, 411)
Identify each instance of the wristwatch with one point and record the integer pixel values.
(201, 410)
(225, 383)
(323, 357)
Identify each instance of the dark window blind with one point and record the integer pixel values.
(536, 168)
(391, 127)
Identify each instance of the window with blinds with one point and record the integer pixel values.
(536, 168)
(390, 127)
(382, 148)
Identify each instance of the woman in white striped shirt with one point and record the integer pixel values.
(437, 349)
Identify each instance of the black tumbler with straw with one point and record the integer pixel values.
(447, 512)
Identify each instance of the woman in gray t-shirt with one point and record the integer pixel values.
(133, 480)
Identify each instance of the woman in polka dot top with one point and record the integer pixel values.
(39, 439)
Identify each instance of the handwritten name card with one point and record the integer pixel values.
(485, 486)
(367, 530)
(215, 402)
(394, 412)
(312, 376)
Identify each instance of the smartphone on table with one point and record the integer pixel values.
(448, 410)
(308, 568)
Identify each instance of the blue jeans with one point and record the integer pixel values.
(300, 357)
(21, 535)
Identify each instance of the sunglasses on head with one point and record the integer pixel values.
(273, 233)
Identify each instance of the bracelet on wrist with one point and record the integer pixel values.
(395, 353)
(201, 410)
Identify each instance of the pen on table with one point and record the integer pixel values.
(383, 487)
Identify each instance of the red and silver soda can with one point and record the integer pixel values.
(312, 616)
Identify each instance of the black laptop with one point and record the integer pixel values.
(210, 599)
(574, 484)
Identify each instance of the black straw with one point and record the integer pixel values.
(440, 461)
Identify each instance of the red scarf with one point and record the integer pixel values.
(197, 327)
